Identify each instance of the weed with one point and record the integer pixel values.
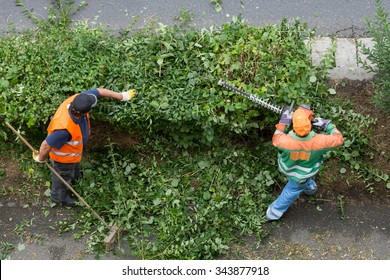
(19, 229)
(217, 5)
(5, 249)
(185, 17)
(60, 12)
(380, 31)
(341, 203)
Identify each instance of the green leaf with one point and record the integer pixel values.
(47, 192)
(204, 164)
(218, 7)
(313, 79)
(270, 183)
(206, 195)
(331, 91)
(209, 133)
(21, 247)
(175, 182)
(31, 122)
(388, 186)
(347, 143)
(164, 105)
(355, 153)
(347, 156)
(4, 84)
(343, 170)
(156, 201)
(154, 104)
(149, 221)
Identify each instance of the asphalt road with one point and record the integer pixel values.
(345, 18)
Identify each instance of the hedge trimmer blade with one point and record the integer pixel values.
(252, 97)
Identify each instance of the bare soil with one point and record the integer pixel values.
(361, 94)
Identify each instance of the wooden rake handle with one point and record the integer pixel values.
(60, 177)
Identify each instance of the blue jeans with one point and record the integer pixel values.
(290, 193)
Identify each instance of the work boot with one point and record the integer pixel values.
(69, 202)
(62, 197)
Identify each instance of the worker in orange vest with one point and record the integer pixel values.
(67, 138)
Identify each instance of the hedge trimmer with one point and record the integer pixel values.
(318, 123)
(256, 99)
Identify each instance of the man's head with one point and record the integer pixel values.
(83, 103)
(301, 122)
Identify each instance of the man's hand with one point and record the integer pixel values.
(35, 156)
(127, 95)
(286, 117)
(320, 123)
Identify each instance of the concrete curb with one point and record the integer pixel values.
(347, 54)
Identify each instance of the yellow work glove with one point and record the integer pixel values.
(35, 156)
(127, 95)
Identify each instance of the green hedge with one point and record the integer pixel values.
(175, 72)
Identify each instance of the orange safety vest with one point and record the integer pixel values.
(72, 151)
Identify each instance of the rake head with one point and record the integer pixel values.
(109, 241)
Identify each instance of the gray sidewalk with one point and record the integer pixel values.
(347, 55)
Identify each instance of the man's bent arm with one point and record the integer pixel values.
(44, 150)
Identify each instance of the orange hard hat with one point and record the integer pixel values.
(306, 109)
(301, 122)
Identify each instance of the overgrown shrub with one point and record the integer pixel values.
(175, 72)
(379, 55)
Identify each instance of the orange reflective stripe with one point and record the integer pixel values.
(300, 155)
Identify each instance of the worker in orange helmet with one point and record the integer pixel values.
(300, 154)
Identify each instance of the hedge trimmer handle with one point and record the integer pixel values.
(291, 108)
